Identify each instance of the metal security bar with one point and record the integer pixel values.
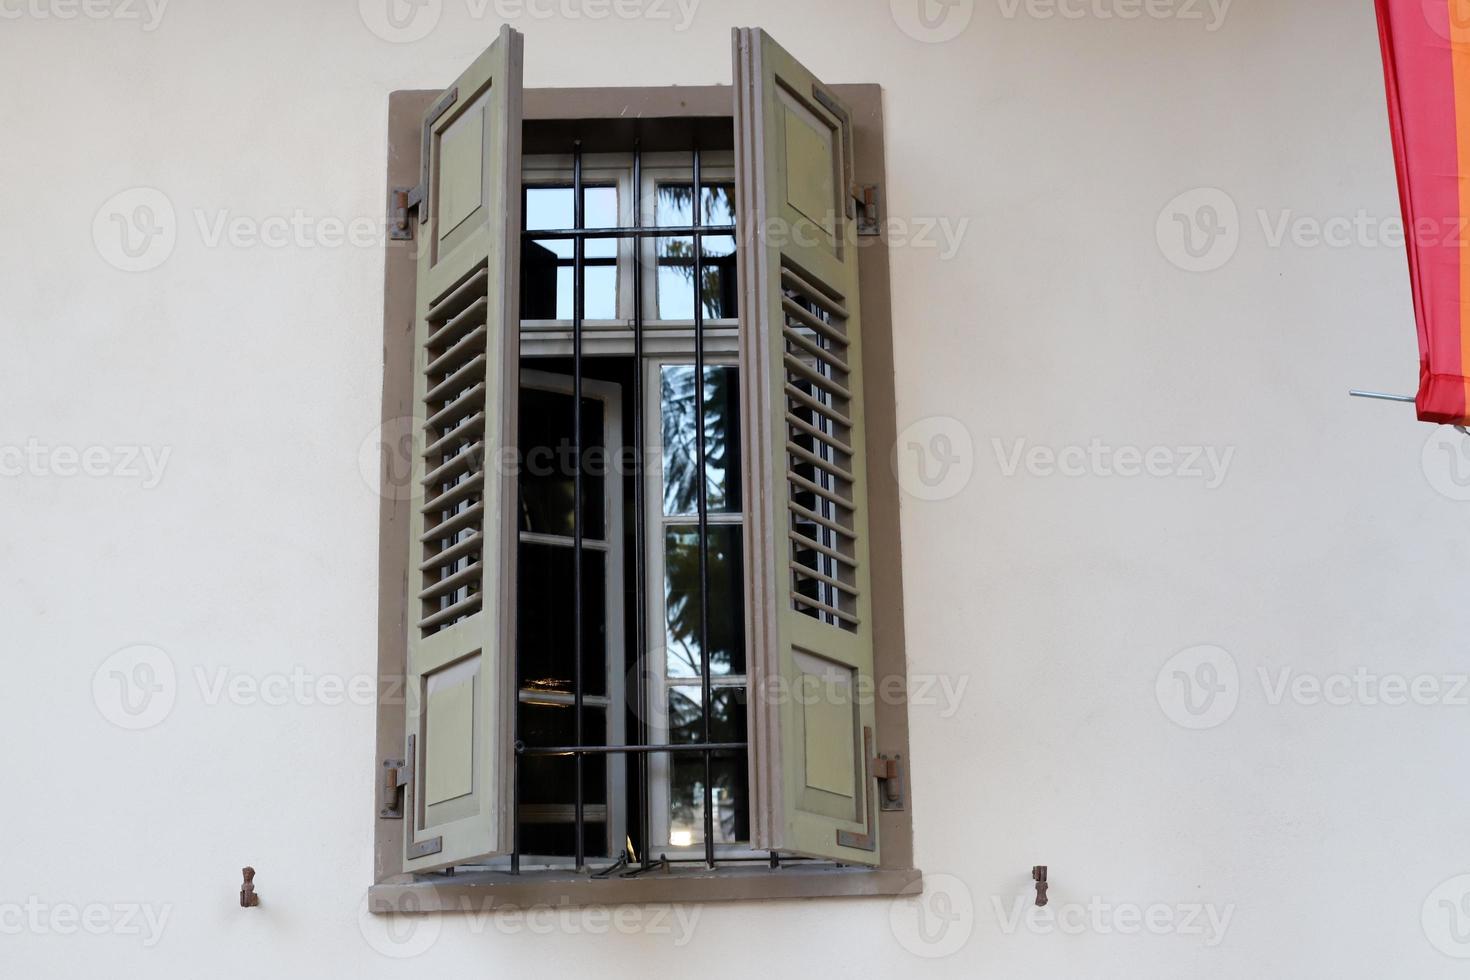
(639, 748)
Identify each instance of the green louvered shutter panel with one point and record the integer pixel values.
(462, 543)
(807, 578)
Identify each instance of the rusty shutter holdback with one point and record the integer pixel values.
(248, 898)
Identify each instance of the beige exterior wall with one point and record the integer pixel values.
(187, 423)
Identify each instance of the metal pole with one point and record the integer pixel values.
(642, 670)
(579, 247)
(1356, 393)
(706, 688)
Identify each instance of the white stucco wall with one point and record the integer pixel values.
(1323, 541)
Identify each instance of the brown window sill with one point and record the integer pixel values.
(480, 891)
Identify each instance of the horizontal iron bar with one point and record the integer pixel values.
(667, 231)
(617, 749)
(1356, 393)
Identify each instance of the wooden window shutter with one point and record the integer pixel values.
(461, 629)
(807, 577)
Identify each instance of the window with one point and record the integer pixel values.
(640, 617)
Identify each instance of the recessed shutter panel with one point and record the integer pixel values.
(462, 541)
(811, 649)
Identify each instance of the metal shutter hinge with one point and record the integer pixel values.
(890, 781)
(402, 203)
(869, 222)
(397, 775)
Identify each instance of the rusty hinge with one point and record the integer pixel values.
(890, 782)
(869, 221)
(401, 201)
(393, 791)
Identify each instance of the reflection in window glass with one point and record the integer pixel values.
(728, 770)
(548, 783)
(546, 607)
(547, 264)
(721, 439)
(726, 720)
(726, 602)
(676, 255)
(548, 469)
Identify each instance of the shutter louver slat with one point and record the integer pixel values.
(473, 343)
(807, 319)
(446, 585)
(456, 409)
(822, 463)
(460, 520)
(455, 327)
(456, 381)
(471, 428)
(466, 546)
(803, 398)
(455, 464)
(824, 381)
(812, 430)
(463, 607)
(794, 281)
(469, 486)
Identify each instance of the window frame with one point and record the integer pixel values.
(394, 891)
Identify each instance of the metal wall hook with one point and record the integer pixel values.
(248, 898)
(1038, 875)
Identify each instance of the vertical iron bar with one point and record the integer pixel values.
(641, 669)
(579, 248)
(515, 781)
(701, 471)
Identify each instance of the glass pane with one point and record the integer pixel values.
(686, 799)
(674, 198)
(726, 601)
(676, 255)
(600, 301)
(547, 289)
(686, 791)
(726, 721)
(556, 839)
(548, 465)
(600, 210)
(547, 264)
(721, 439)
(545, 604)
(548, 783)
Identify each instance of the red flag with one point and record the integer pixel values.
(1426, 62)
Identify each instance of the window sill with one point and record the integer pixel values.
(479, 891)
